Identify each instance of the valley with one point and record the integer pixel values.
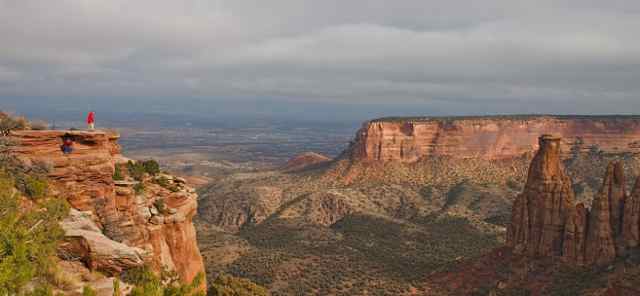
(361, 226)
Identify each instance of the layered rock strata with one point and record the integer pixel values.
(113, 227)
(411, 139)
(545, 221)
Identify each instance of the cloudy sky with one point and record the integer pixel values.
(422, 56)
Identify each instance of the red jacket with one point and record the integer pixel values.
(91, 118)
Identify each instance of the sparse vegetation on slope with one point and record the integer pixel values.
(360, 253)
(147, 283)
(225, 285)
(29, 234)
(391, 225)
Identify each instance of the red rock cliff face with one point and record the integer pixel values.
(123, 220)
(489, 137)
(541, 211)
(545, 221)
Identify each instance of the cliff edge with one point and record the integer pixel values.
(114, 225)
(490, 137)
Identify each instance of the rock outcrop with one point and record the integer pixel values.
(85, 241)
(305, 160)
(411, 139)
(546, 223)
(630, 229)
(541, 211)
(244, 206)
(113, 227)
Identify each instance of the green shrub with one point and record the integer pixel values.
(136, 170)
(225, 285)
(139, 188)
(176, 288)
(136, 276)
(151, 166)
(117, 174)
(35, 187)
(41, 167)
(116, 288)
(159, 204)
(162, 181)
(28, 238)
(146, 283)
(88, 291)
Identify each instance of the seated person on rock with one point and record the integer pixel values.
(67, 144)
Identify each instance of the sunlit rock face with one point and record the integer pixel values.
(546, 223)
(409, 140)
(541, 211)
(122, 219)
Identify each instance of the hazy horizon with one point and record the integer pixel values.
(325, 60)
(216, 112)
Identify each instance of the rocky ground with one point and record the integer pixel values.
(348, 228)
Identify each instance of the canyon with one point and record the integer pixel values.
(421, 200)
(113, 226)
(410, 215)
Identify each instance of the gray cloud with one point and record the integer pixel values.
(458, 56)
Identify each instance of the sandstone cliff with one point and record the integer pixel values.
(411, 139)
(112, 227)
(544, 205)
(545, 221)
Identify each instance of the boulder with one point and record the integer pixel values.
(85, 241)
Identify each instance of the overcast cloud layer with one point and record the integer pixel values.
(454, 56)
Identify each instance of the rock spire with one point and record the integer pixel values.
(546, 223)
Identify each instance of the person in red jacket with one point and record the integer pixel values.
(91, 120)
